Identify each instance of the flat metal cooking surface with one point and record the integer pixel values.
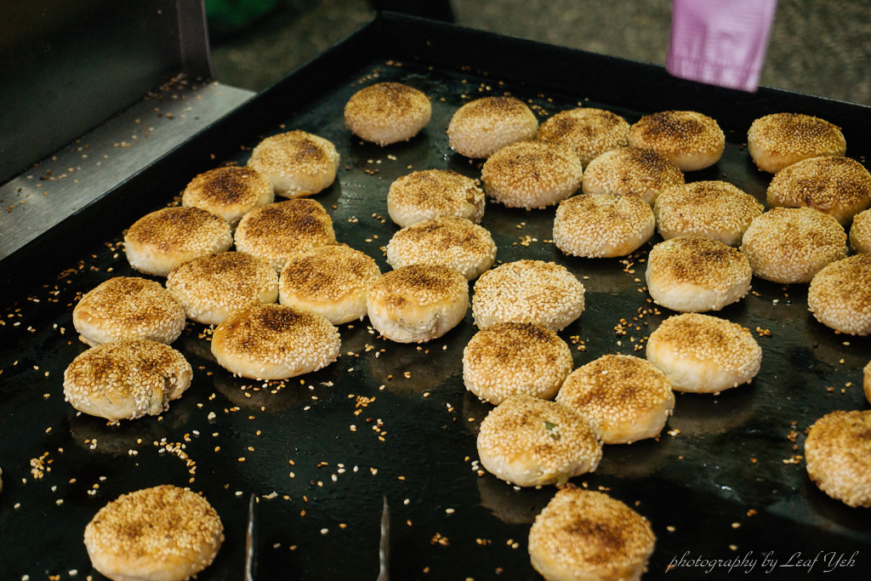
(321, 451)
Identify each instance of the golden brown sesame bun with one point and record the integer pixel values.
(434, 193)
(589, 132)
(531, 175)
(867, 383)
(387, 113)
(229, 192)
(838, 455)
(453, 242)
(704, 354)
(711, 209)
(161, 240)
(838, 186)
(507, 359)
(297, 163)
(528, 291)
(630, 171)
(528, 441)
(330, 281)
(599, 225)
(417, 303)
(480, 128)
(839, 295)
(589, 536)
(791, 245)
(691, 140)
(126, 379)
(128, 308)
(163, 533)
(782, 139)
(277, 231)
(275, 342)
(860, 232)
(211, 288)
(626, 398)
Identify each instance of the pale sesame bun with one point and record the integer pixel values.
(860, 232)
(214, 287)
(630, 171)
(330, 281)
(277, 231)
(838, 456)
(584, 535)
(229, 192)
(387, 113)
(480, 128)
(838, 186)
(127, 379)
(507, 359)
(434, 193)
(791, 245)
(163, 533)
(297, 163)
(626, 398)
(839, 295)
(712, 209)
(599, 225)
(528, 291)
(453, 242)
(161, 240)
(128, 308)
(275, 342)
(589, 132)
(417, 303)
(691, 140)
(531, 175)
(867, 383)
(704, 354)
(782, 139)
(528, 441)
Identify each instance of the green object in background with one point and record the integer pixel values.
(226, 17)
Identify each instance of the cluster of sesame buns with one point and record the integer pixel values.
(600, 225)
(229, 192)
(587, 131)
(480, 128)
(163, 533)
(839, 295)
(434, 193)
(532, 174)
(838, 456)
(631, 171)
(860, 232)
(691, 140)
(386, 113)
(297, 163)
(781, 139)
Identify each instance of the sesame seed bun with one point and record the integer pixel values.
(163, 533)
(691, 140)
(860, 232)
(839, 295)
(630, 171)
(507, 359)
(229, 192)
(480, 128)
(531, 175)
(626, 398)
(128, 308)
(838, 186)
(330, 281)
(161, 240)
(711, 209)
(704, 354)
(791, 245)
(297, 163)
(528, 291)
(126, 379)
(434, 193)
(528, 441)
(867, 383)
(838, 456)
(589, 132)
(453, 242)
(589, 536)
(599, 225)
(211, 288)
(387, 113)
(277, 231)
(417, 303)
(275, 342)
(782, 139)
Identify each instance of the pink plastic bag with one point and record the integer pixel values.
(720, 42)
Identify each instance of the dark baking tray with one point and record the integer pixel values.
(696, 487)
